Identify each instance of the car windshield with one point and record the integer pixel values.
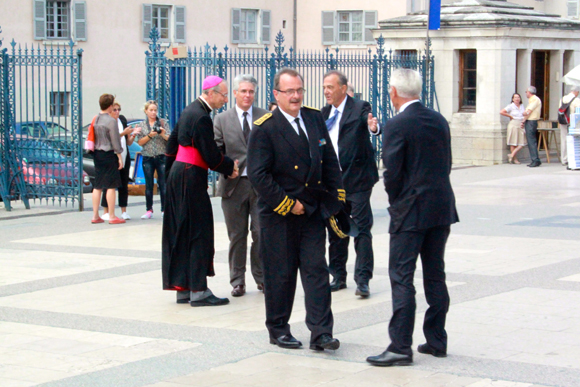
(56, 130)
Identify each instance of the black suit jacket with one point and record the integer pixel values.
(417, 158)
(282, 173)
(356, 154)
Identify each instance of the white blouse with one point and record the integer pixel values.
(516, 112)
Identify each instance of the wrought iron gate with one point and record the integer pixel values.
(175, 83)
(40, 124)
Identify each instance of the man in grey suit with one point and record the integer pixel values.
(232, 130)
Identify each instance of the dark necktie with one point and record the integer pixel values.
(302, 135)
(330, 122)
(246, 127)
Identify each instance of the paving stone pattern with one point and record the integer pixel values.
(82, 304)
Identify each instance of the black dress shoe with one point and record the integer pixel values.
(210, 301)
(387, 359)
(183, 301)
(238, 291)
(429, 350)
(535, 164)
(337, 284)
(287, 341)
(325, 341)
(363, 291)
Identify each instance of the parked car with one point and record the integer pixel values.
(43, 165)
(41, 129)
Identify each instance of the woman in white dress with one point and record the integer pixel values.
(516, 137)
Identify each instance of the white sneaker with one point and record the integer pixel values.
(125, 216)
(147, 215)
(105, 216)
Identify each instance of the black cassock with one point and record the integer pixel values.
(188, 234)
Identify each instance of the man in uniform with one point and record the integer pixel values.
(232, 131)
(350, 124)
(290, 161)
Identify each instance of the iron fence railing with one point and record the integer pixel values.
(174, 83)
(40, 124)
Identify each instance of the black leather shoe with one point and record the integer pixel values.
(535, 164)
(325, 341)
(363, 291)
(287, 341)
(183, 301)
(387, 359)
(337, 284)
(210, 301)
(429, 350)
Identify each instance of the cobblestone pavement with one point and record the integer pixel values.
(82, 304)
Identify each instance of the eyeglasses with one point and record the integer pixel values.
(117, 110)
(225, 95)
(291, 92)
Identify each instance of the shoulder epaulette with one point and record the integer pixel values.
(262, 119)
(311, 108)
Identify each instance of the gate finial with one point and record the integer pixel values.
(154, 45)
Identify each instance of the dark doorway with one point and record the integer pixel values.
(541, 79)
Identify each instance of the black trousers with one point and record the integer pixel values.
(297, 242)
(359, 205)
(531, 127)
(404, 248)
(123, 189)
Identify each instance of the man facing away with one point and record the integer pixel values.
(350, 124)
(417, 158)
(531, 116)
(290, 162)
(574, 101)
(232, 131)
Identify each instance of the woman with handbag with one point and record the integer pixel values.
(108, 162)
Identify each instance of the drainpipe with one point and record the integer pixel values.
(295, 22)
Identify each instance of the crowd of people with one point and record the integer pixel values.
(293, 176)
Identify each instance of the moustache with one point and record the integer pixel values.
(294, 101)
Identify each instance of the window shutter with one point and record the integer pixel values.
(80, 13)
(236, 16)
(39, 19)
(266, 26)
(370, 18)
(328, 27)
(147, 21)
(179, 24)
(573, 8)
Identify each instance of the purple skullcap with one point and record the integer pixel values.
(211, 81)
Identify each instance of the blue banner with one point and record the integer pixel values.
(435, 14)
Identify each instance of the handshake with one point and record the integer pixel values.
(236, 170)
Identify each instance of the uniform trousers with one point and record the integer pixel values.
(405, 246)
(296, 243)
(359, 206)
(238, 208)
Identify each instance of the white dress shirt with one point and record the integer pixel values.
(240, 113)
(402, 108)
(334, 131)
(293, 123)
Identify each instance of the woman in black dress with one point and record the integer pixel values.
(107, 159)
(188, 234)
